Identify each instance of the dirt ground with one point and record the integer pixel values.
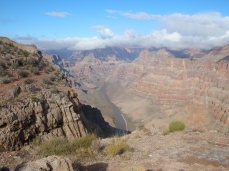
(181, 151)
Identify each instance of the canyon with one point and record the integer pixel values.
(154, 86)
(135, 91)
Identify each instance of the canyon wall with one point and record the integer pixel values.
(161, 85)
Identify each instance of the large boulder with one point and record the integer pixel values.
(51, 163)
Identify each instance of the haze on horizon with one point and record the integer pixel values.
(86, 25)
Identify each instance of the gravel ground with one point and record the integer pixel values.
(181, 151)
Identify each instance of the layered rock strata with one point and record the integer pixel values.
(48, 115)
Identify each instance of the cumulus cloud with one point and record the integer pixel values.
(202, 24)
(138, 15)
(158, 38)
(104, 32)
(178, 31)
(57, 14)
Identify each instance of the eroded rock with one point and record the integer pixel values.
(50, 163)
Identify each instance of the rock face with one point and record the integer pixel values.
(47, 164)
(193, 88)
(46, 115)
(89, 67)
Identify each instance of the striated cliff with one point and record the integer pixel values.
(192, 86)
(48, 115)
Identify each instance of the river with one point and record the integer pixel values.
(119, 120)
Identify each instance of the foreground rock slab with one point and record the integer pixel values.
(47, 164)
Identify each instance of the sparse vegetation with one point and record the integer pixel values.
(135, 168)
(2, 64)
(118, 148)
(52, 78)
(138, 136)
(97, 145)
(57, 73)
(34, 99)
(36, 141)
(22, 73)
(28, 81)
(2, 71)
(60, 146)
(5, 80)
(176, 126)
(10, 44)
(141, 126)
(46, 81)
(165, 131)
(84, 142)
(13, 79)
(32, 88)
(32, 62)
(25, 53)
(34, 70)
(54, 90)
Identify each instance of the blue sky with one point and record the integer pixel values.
(87, 24)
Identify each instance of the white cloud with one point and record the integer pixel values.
(104, 32)
(178, 31)
(158, 38)
(57, 14)
(202, 24)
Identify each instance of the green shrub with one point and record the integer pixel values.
(46, 81)
(54, 90)
(84, 142)
(60, 146)
(34, 70)
(25, 53)
(51, 68)
(20, 62)
(36, 141)
(10, 44)
(57, 146)
(138, 136)
(176, 126)
(113, 150)
(57, 73)
(2, 64)
(5, 80)
(32, 62)
(32, 88)
(2, 71)
(28, 81)
(22, 73)
(52, 78)
(118, 148)
(165, 131)
(135, 168)
(141, 126)
(13, 79)
(34, 99)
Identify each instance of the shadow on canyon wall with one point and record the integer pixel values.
(94, 115)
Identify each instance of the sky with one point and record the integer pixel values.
(91, 24)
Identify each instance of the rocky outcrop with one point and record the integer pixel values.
(29, 48)
(47, 115)
(47, 164)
